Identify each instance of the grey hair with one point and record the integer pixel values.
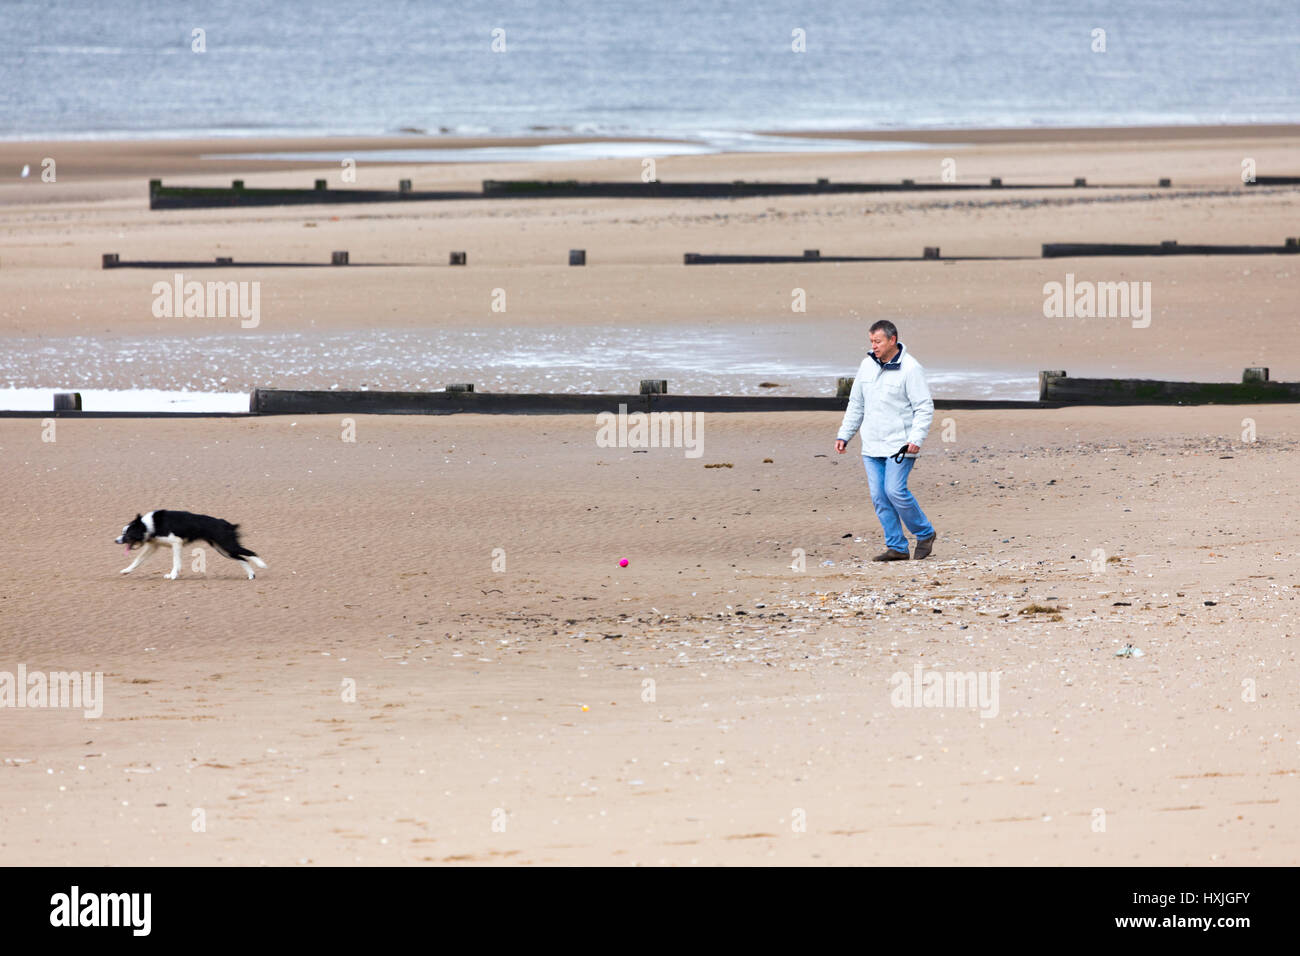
(884, 325)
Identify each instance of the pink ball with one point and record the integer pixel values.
(623, 563)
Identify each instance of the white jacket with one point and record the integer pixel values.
(892, 406)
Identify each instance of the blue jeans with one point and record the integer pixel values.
(887, 480)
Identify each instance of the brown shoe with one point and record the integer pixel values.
(923, 546)
(889, 554)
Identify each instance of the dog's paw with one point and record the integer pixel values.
(126, 571)
(171, 576)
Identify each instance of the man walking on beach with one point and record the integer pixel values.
(891, 403)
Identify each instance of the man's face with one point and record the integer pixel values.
(882, 345)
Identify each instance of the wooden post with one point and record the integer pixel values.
(1254, 375)
(403, 185)
(458, 259)
(1042, 382)
(577, 257)
(1166, 183)
(339, 258)
(1168, 243)
(111, 260)
(1143, 391)
(654, 386)
(823, 182)
(1292, 242)
(931, 252)
(1080, 181)
(236, 184)
(812, 253)
(996, 182)
(690, 258)
(322, 184)
(225, 260)
(67, 401)
(909, 182)
(843, 386)
(463, 387)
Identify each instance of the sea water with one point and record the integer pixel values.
(135, 68)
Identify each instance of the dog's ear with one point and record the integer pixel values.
(137, 516)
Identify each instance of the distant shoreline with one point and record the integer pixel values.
(114, 158)
(919, 134)
(1055, 134)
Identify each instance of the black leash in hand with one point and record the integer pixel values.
(899, 455)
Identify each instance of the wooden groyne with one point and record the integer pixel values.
(276, 401)
(1051, 250)
(1055, 388)
(113, 260)
(1170, 247)
(237, 194)
(814, 255)
(1254, 388)
(740, 189)
(578, 257)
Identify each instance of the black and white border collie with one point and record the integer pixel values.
(179, 528)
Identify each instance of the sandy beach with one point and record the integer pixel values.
(728, 697)
(984, 314)
(708, 703)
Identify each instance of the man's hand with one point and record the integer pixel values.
(913, 449)
(840, 445)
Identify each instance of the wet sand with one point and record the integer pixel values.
(955, 317)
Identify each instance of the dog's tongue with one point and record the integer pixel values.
(126, 549)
